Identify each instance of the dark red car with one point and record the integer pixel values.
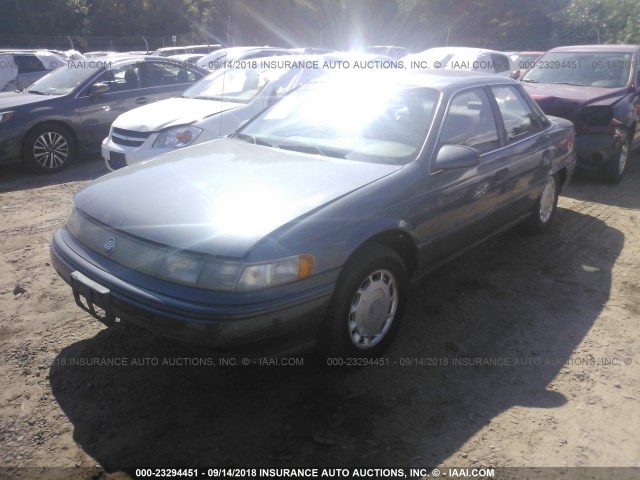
(597, 87)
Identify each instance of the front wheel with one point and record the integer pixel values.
(48, 148)
(614, 170)
(367, 305)
(544, 211)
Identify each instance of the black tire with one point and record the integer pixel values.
(544, 211)
(375, 277)
(48, 148)
(614, 170)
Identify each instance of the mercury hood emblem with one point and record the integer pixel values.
(110, 245)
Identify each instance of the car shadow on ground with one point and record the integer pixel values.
(16, 177)
(587, 186)
(488, 332)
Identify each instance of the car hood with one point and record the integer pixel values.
(566, 101)
(223, 196)
(18, 99)
(171, 112)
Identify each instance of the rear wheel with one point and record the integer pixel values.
(368, 304)
(544, 211)
(48, 148)
(614, 169)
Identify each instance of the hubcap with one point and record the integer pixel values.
(622, 161)
(373, 309)
(50, 150)
(547, 200)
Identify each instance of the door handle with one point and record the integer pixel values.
(142, 100)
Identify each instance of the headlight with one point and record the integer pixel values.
(179, 268)
(277, 272)
(177, 137)
(4, 116)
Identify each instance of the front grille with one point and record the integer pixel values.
(131, 133)
(128, 138)
(125, 142)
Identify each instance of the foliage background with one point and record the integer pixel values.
(339, 24)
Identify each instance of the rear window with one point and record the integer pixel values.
(500, 63)
(28, 63)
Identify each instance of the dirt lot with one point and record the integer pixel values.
(524, 352)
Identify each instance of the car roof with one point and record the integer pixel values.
(459, 51)
(123, 57)
(182, 47)
(445, 81)
(596, 48)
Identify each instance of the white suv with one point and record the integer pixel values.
(211, 108)
(20, 68)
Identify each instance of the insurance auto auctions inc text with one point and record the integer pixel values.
(371, 473)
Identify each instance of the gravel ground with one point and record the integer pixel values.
(522, 353)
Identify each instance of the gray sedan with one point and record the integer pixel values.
(71, 109)
(305, 227)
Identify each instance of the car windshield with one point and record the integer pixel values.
(352, 120)
(602, 69)
(65, 79)
(233, 85)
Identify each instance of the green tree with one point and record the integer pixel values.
(609, 21)
(28, 17)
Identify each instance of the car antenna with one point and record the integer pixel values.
(224, 76)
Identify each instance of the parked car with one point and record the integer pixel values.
(233, 56)
(310, 50)
(306, 225)
(71, 109)
(212, 108)
(190, 59)
(597, 87)
(388, 50)
(100, 53)
(20, 68)
(170, 51)
(522, 61)
(460, 58)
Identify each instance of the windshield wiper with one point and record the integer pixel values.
(36, 92)
(252, 139)
(529, 81)
(204, 97)
(324, 151)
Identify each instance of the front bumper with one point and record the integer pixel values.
(274, 325)
(10, 143)
(131, 155)
(596, 149)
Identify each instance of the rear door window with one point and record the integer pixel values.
(160, 73)
(518, 118)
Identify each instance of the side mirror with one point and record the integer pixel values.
(450, 157)
(98, 89)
